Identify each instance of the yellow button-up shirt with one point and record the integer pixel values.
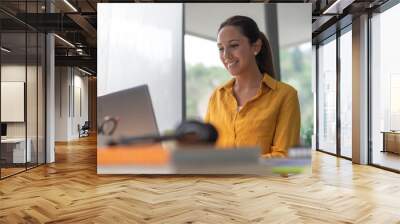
(270, 120)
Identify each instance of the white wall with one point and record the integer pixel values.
(80, 103)
(61, 103)
(69, 84)
(142, 44)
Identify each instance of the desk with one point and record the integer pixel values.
(13, 150)
(391, 141)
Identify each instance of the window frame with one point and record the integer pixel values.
(333, 37)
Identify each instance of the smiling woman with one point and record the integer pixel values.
(252, 109)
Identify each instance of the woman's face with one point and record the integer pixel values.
(235, 50)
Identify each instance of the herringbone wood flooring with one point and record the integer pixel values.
(70, 191)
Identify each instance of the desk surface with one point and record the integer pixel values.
(13, 140)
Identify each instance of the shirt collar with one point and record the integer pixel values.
(267, 80)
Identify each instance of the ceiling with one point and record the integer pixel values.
(292, 30)
(203, 19)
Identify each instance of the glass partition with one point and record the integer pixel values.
(13, 109)
(22, 88)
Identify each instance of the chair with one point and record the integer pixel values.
(84, 130)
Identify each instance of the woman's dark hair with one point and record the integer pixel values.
(248, 27)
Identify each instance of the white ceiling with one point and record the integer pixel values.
(294, 20)
(295, 23)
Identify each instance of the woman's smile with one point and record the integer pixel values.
(231, 64)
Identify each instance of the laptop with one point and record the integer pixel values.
(134, 110)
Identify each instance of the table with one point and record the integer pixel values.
(13, 150)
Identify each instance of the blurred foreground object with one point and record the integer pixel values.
(158, 159)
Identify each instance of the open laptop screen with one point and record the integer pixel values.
(134, 110)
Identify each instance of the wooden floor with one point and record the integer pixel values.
(5, 172)
(10, 171)
(70, 191)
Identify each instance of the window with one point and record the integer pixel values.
(327, 96)
(346, 94)
(295, 62)
(385, 89)
(204, 72)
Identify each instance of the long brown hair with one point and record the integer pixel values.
(248, 27)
